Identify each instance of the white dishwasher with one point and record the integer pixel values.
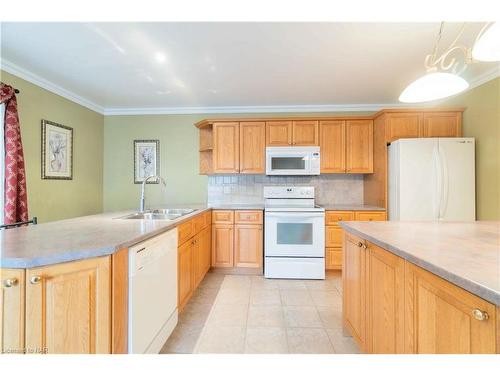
(152, 302)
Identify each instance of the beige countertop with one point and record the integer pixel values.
(466, 254)
(79, 238)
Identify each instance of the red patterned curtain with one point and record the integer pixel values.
(16, 202)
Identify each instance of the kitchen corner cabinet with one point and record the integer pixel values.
(391, 306)
(226, 144)
(68, 307)
(237, 239)
(12, 301)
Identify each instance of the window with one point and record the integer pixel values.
(2, 156)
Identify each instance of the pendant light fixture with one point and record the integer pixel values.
(487, 46)
(443, 71)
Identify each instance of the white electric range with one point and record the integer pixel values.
(294, 245)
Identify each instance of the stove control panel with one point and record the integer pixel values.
(288, 192)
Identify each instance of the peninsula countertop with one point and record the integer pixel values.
(80, 238)
(466, 254)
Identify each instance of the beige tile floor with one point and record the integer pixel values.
(251, 314)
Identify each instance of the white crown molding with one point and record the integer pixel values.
(251, 109)
(485, 77)
(16, 70)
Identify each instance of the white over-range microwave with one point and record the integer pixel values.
(292, 161)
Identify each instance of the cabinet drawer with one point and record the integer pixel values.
(248, 217)
(333, 258)
(185, 231)
(370, 216)
(201, 221)
(332, 217)
(223, 217)
(333, 236)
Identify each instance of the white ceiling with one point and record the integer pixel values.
(211, 66)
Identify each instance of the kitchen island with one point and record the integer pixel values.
(422, 287)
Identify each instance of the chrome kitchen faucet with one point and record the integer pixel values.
(158, 178)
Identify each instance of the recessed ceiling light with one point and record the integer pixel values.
(160, 57)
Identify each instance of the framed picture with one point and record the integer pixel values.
(146, 160)
(57, 151)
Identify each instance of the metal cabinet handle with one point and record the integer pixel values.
(360, 244)
(480, 315)
(9, 282)
(339, 219)
(35, 279)
(364, 246)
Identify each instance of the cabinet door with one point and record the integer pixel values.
(207, 249)
(359, 145)
(385, 302)
(226, 147)
(252, 147)
(305, 133)
(12, 310)
(441, 317)
(248, 241)
(333, 258)
(68, 307)
(442, 124)
(333, 236)
(332, 145)
(197, 260)
(185, 277)
(278, 133)
(222, 245)
(403, 125)
(354, 288)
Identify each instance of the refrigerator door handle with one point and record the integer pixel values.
(439, 183)
(445, 185)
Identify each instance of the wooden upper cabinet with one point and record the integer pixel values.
(385, 301)
(279, 133)
(332, 145)
(252, 147)
(354, 287)
(403, 125)
(226, 152)
(248, 244)
(444, 318)
(305, 133)
(359, 146)
(442, 124)
(68, 307)
(12, 310)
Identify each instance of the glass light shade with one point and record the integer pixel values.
(433, 86)
(487, 48)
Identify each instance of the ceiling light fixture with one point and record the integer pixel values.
(487, 46)
(443, 70)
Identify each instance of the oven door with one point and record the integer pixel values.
(295, 234)
(288, 163)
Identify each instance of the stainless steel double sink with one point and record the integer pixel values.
(160, 214)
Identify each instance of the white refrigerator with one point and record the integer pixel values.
(432, 179)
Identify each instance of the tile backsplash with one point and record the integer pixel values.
(242, 189)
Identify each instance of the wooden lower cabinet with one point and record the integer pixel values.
(185, 273)
(392, 306)
(237, 240)
(222, 245)
(385, 313)
(354, 288)
(12, 303)
(441, 317)
(333, 233)
(68, 307)
(248, 246)
(201, 255)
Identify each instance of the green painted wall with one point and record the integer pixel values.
(60, 199)
(178, 158)
(481, 120)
